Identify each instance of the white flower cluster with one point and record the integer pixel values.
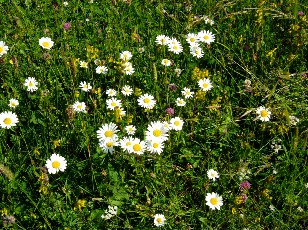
(110, 212)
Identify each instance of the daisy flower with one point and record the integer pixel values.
(8, 119)
(212, 174)
(127, 144)
(166, 62)
(138, 146)
(175, 48)
(293, 120)
(156, 131)
(55, 164)
(213, 200)
(155, 146)
(176, 123)
(206, 36)
(187, 93)
(46, 43)
(192, 38)
(130, 129)
(112, 103)
(126, 90)
(101, 69)
(162, 40)
(85, 86)
(83, 64)
(180, 102)
(65, 3)
(205, 84)
(126, 56)
(159, 220)
(167, 125)
(13, 103)
(3, 48)
(31, 83)
(79, 107)
(108, 144)
(146, 101)
(111, 92)
(128, 68)
(197, 52)
(263, 113)
(107, 131)
(120, 112)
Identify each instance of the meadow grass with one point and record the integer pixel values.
(259, 58)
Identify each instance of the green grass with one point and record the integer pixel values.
(261, 41)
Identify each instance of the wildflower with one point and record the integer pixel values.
(300, 209)
(180, 102)
(197, 52)
(192, 38)
(176, 123)
(272, 207)
(97, 62)
(111, 212)
(7, 220)
(162, 40)
(112, 103)
(101, 69)
(159, 220)
(128, 68)
(108, 144)
(65, 3)
(130, 129)
(212, 174)
(80, 204)
(187, 93)
(107, 131)
(275, 171)
(244, 197)
(126, 56)
(170, 111)
(240, 199)
(276, 147)
(138, 146)
(205, 84)
(83, 64)
(306, 185)
(31, 83)
(263, 113)
(178, 71)
(175, 47)
(8, 119)
(166, 62)
(300, 13)
(245, 185)
(55, 164)
(156, 131)
(13, 103)
(111, 92)
(213, 200)
(85, 86)
(172, 87)
(167, 125)
(293, 120)
(146, 101)
(3, 48)
(206, 36)
(127, 144)
(67, 26)
(46, 43)
(141, 49)
(155, 146)
(79, 107)
(127, 90)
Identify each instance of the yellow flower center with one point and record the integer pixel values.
(30, 83)
(109, 144)
(175, 47)
(7, 121)
(85, 86)
(163, 40)
(157, 133)
(55, 164)
(264, 113)
(155, 145)
(45, 44)
(205, 85)
(166, 62)
(192, 39)
(128, 143)
(214, 201)
(1, 49)
(213, 175)
(79, 106)
(108, 133)
(137, 147)
(113, 104)
(13, 104)
(146, 100)
(206, 37)
(159, 220)
(176, 123)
